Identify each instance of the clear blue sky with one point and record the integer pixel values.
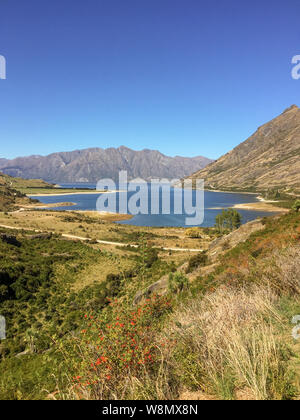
(186, 77)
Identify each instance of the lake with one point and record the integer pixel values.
(213, 204)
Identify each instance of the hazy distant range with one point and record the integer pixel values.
(90, 165)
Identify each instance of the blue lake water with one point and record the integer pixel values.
(213, 204)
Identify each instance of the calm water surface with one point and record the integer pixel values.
(213, 202)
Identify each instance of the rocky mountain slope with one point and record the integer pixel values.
(269, 159)
(90, 165)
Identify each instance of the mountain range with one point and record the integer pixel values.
(90, 165)
(269, 159)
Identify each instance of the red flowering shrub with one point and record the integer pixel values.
(117, 344)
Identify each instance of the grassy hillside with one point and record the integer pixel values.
(220, 331)
(46, 285)
(12, 191)
(20, 183)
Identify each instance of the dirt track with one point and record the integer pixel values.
(80, 238)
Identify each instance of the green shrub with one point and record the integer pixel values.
(177, 282)
(198, 260)
(296, 206)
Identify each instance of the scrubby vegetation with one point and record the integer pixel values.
(177, 282)
(43, 302)
(296, 206)
(198, 260)
(9, 198)
(222, 333)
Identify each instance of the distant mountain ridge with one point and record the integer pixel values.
(90, 165)
(269, 159)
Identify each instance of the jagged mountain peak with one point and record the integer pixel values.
(270, 158)
(90, 165)
(291, 108)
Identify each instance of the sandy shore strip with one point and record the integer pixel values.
(261, 206)
(56, 193)
(104, 215)
(49, 205)
(232, 192)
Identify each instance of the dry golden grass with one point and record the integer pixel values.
(106, 216)
(233, 343)
(282, 270)
(225, 346)
(228, 342)
(104, 230)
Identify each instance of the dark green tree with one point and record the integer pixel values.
(228, 220)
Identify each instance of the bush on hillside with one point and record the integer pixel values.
(177, 282)
(296, 206)
(198, 260)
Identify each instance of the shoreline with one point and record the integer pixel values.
(105, 215)
(49, 206)
(233, 192)
(261, 206)
(92, 191)
(56, 194)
